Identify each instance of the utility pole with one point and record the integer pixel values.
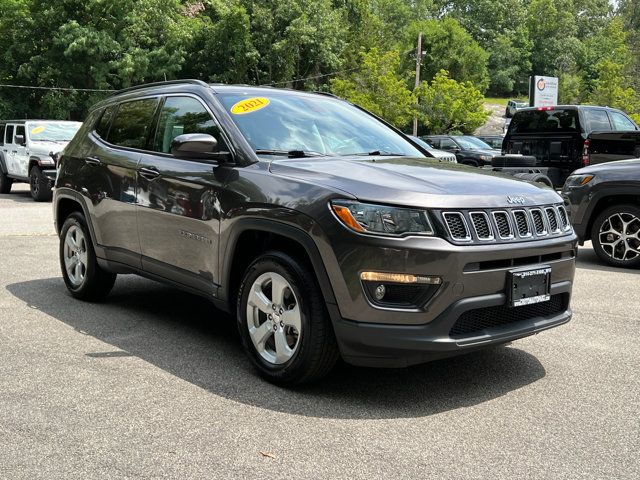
(418, 65)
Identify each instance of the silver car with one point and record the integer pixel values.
(439, 154)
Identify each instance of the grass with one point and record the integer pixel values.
(501, 101)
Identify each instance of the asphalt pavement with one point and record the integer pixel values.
(153, 383)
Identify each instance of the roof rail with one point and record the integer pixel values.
(328, 94)
(159, 84)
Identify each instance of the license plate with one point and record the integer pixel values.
(529, 286)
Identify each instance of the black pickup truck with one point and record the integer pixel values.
(555, 141)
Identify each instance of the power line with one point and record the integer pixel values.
(308, 78)
(64, 89)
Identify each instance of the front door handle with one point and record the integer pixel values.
(93, 161)
(150, 173)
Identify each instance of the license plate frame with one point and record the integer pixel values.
(528, 286)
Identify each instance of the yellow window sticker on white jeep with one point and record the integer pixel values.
(37, 130)
(249, 105)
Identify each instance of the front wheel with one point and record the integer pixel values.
(82, 275)
(40, 185)
(283, 321)
(616, 236)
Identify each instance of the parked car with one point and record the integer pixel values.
(513, 106)
(559, 140)
(494, 141)
(28, 150)
(604, 206)
(316, 224)
(467, 149)
(439, 154)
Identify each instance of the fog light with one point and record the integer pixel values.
(379, 292)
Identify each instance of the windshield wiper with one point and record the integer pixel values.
(375, 153)
(291, 153)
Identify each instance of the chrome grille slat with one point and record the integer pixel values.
(457, 225)
(481, 225)
(552, 220)
(564, 218)
(522, 223)
(539, 224)
(503, 224)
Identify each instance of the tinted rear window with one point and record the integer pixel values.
(132, 123)
(596, 120)
(541, 121)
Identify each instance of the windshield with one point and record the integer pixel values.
(53, 131)
(283, 122)
(472, 143)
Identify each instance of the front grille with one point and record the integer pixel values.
(503, 223)
(481, 225)
(475, 321)
(457, 226)
(506, 225)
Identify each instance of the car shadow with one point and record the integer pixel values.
(587, 258)
(187, 337)
(18, 196)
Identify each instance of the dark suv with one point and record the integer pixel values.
(326, 231)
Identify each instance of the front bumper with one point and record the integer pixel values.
(50, 173)
(374, 345)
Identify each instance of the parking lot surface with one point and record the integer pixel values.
(153, 383)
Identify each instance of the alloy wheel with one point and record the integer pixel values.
(273, 318)
(75, 255)
(620, 236)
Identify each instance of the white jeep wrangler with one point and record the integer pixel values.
(28, 149)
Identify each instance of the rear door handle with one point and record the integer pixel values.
(150, 173)
(93, 161)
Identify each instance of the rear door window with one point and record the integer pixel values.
(596, 120)
(183, 115)
(447, 144)
(133, 123)
(9, 135)
(2, 129)
(621, 123)
(545, 121)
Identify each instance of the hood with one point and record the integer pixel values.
(420, 182)
(44, 148)
(630, 166)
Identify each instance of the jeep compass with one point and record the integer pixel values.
(326, 231)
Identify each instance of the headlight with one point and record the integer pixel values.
(46, 162)
(486, 158)
(382, 219)
(577, 180)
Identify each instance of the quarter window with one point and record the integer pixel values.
(102, 129)
(132, 123)
(621, 123)
(182, 115)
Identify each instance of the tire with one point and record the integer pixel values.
(40, 185)
(88, 281)
(310, 350)
(514, 161)
(535, 178)
(607, 232)
(506, 113)
(5, 183)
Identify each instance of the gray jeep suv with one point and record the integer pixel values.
(324, 230)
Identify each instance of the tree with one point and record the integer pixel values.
(445, 105)
(449, 47)
(378, 87)
(612, 90)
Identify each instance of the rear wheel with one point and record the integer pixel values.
(5, 183)
(616, 236)
(283, 323)
(82, 275)
(40, 185)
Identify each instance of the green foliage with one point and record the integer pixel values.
(378, 87)
(611, 90)
(449, 47)
(445, 105)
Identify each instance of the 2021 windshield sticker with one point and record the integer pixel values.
(37, 130)
(249, 105)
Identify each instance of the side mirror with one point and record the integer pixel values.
(19, 140)
(200, 146)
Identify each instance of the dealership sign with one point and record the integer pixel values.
(543, 91)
